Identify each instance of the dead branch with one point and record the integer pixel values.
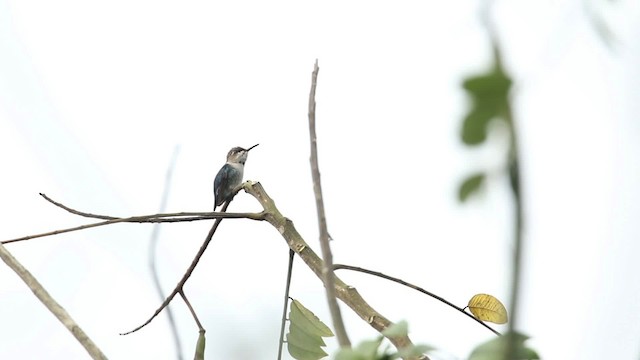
(327, 271)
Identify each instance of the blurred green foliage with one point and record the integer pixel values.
(370, 349)
(489, 94)
(495, 349)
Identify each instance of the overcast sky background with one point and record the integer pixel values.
(95, 97)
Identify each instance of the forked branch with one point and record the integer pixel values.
(347, 294)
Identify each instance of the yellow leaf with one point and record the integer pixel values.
(487, 308)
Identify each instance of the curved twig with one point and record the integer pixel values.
(73, 211)
(414, 287)
(186, 275)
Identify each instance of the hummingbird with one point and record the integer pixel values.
(230, 175)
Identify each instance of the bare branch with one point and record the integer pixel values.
(156, 218)
(51, 304)
(327, 271)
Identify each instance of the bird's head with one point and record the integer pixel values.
(238, 154)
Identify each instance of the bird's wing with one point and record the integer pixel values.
(218, 189)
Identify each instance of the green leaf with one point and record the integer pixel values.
(400, 328)
(413, 351)
(470, 186)
(350, 354)
(304, 339)
(305, 354)
(366, 350)
(494, 349)
(492, 84)
(369, 348)
(301, 339)
(489, 95)
(307, 321)
(200, 347)
(474, 126)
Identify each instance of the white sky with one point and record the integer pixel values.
(94, 97)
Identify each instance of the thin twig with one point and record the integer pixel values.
(414, 287)
(328, 276)
(187, 274)
(156, 218)
(143, 218)
(153, 243)
(73, 211)
(51, 304)
(193, 312)
(286, 303)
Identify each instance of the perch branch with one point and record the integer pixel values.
(156, 218)
(51, 304)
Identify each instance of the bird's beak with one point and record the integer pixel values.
(252, 147)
